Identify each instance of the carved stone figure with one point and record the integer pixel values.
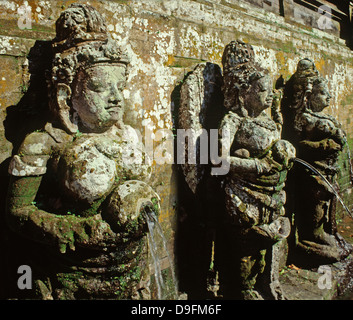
(319, 140)
(259, 160)
(78, 196)
(252, 195)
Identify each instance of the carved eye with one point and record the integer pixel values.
(96, 85)
(262, 88)
(120, 85)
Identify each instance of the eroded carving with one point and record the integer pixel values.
(79, 191)
(259, 161)
(253, 187)
(319, 140)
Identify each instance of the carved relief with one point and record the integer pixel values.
(78, 194)
(319, 140)
(258, 159)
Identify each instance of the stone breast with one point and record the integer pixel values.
(256, 136)
(91, 165)
(88, 168)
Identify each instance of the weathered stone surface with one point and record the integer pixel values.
(178, 35)
(319, 140)
(72, 195)
(200, 106)
(253, 182)
(166, 39)
(327, 282)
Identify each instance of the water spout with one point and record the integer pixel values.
(156, 233)
(154, 254)
(349, 160)
(164, 242)
(314, 170)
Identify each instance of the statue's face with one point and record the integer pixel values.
(260, 96)
(320, 97)
(97, 96)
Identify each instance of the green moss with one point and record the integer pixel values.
(22, 191)
(348, 100)
(155, 203)
(184, 62)
(122, 1)
(93, 209)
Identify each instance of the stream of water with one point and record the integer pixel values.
(157, 240)
(314, 170)
(156, 236)
(349, 160)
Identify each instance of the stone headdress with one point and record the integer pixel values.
(300, 86)
(239, 72)
(81, 41)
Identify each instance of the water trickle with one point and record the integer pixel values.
(313, 169)
(156, 236)
(349, 160)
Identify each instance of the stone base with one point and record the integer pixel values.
(328, 282)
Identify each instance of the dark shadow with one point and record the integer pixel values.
(4, 250)
(29, 115)
(281, 8)
(201, 213)
(280, 83)
(191, 258)
(346, 23)
(290, 186)
(31, 112)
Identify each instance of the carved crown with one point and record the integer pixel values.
(239, 71)
(82, 40)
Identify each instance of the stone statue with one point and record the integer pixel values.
(78, 196)
(250, 231)
(319, 140)
(259, 160)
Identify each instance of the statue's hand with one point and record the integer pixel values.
(283, 151)
(341, 138)
(267, 165)
(331, 145)
(125, 210)
(241, 153)
(84, 232)
(275, 231)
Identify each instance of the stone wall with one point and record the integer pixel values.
(166, 39)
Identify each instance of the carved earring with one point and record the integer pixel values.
(63, 96)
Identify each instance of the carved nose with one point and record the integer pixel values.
(113, 99)
(116, 96)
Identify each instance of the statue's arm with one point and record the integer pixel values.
(332, 137)
(324, 145)
(24, 217)
(57, 230)
(240, 161)
(248, 166)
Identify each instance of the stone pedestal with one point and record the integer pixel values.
(328, 282)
